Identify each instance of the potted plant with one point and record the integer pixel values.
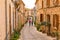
(45, 26)
(56, 34)
(37, 25)
(15, 35)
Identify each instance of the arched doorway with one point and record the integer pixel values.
(41, 17)
(48, 21)
(56, 21)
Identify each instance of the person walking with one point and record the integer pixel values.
(30, 22)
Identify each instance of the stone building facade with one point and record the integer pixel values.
(21, 12)
(48, 10)
(9, 17)
(6, 19)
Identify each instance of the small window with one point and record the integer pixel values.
(41, 17)
(48, 3)
(48, 18)
(55, 2)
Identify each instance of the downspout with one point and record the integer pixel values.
(6, 19)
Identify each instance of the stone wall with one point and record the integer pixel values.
(51, 12)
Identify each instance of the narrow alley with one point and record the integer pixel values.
(29, 19)
(31, 33)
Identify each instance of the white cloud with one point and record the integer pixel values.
(29, 3)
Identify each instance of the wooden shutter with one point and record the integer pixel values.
(48, 3)
(41, 17)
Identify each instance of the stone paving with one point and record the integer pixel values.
(30, 33)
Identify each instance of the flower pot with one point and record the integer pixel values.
(42, 28)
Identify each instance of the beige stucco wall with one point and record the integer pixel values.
(22, 12)
(2, 20)
(9, 3)
(39, 4)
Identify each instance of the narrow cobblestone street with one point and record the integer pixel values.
(31, 33)
(29, 19)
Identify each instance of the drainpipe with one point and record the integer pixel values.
(6, 19)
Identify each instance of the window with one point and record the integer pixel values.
(48, 18)
(42, 4)
(55, 2)
(48, 3)
(55, 20)
(41, 17)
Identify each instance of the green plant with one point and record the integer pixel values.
(57, 35)
(20, 26)
(35, 22)
(37, 26)
(45, 23)
(15, 35)
(54, 34)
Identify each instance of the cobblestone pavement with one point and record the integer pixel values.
(30, 33)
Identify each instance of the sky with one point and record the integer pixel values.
(29, 3)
